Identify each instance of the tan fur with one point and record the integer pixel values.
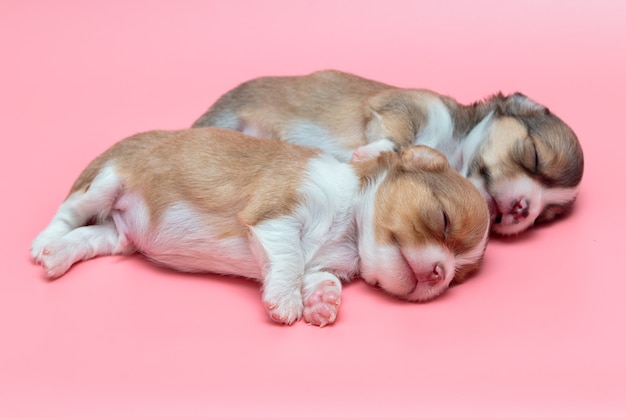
(507, 134)
(333, 99)
(343, 113)
(293, 218)
(424, 176)
(244, 183)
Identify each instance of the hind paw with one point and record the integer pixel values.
(55, 260)
(39, 250)
(43, 243)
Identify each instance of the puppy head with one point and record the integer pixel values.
(429, 225)
(528, 167)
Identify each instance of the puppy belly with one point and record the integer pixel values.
(187, 241)
(229, 256)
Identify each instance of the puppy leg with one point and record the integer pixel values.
(80, 244)
(322, 297)
(82, 206)
(277, 248)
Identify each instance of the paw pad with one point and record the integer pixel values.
(322, 306)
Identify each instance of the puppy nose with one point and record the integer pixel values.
(520, 208)
(436, 276)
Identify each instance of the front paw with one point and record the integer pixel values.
(284, 309)
(322, 306)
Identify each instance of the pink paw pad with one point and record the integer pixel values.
(321, 307)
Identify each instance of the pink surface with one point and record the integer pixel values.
(539, 331)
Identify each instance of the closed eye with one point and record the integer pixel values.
(446, 224)
(526, 154)
(536, 169)
(484, 173)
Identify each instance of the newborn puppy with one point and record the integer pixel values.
(291, 217)
(524, 160)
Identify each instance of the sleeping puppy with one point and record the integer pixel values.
(524, 160)
(294, 218)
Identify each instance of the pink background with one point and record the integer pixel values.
(539, 331)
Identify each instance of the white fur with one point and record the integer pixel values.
(503, 193)
(328, 224)
(507, 193)
(67, 240)
(78, 209)
(559, 195)
(300, 256)
(277, 247)
(367, 125)
(306, 133)
(392, 268)
(318, 236)
(423, 260)
(367, 233)
(465, 153)
(438, 132)
(187, 241)
(535, 194)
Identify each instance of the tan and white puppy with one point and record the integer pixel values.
(294, 218)
(525, 161)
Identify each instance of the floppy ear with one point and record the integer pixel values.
(423, 158)
(519, 105)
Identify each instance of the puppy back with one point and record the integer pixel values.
(214, 170)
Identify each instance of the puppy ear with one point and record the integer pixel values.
(423, 158)
(519, 105)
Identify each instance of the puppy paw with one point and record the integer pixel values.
(46, 238)
(54, 259)
(372, 150)
(322, 305)
(38, 249)
(285, 309)
(364, 153)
